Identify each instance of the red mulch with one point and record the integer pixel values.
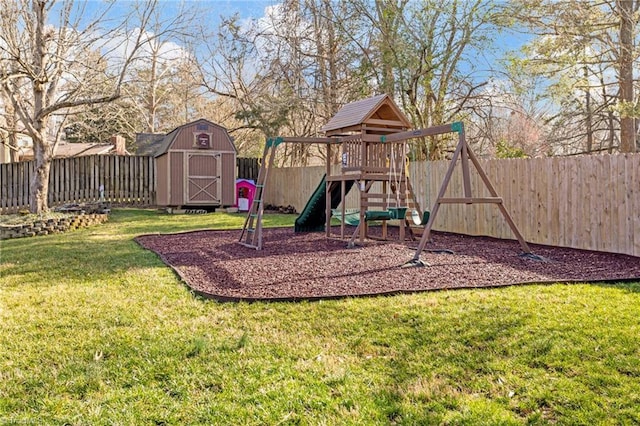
(309, 266)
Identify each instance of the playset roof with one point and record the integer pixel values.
(379, 112)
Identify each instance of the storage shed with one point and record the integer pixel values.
(196, 166)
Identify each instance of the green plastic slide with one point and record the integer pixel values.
(313, 216)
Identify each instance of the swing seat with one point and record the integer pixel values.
(397, 212)
(417, 220)
(390, 214)
(377, 215)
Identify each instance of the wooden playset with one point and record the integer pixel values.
(370, 138)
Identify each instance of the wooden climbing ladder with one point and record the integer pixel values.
(251, 235)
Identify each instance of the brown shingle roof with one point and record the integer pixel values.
(357, 113)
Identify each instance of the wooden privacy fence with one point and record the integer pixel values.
(129, 180)
(124, 179)
(585, 202)
(247, 168)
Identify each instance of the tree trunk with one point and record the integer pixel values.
(612, 132)
(625, 61)
(388, 16)
(42, 153)
(152, 102)
(588, 117)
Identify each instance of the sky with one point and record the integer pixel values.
(211, 11)
(246, 9)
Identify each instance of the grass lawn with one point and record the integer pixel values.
(95, 330)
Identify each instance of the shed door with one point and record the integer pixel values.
(203, 183)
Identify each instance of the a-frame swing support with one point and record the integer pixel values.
(251, 234)
(463, 153)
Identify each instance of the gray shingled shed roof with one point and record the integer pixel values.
(357, 113)
(163, 147)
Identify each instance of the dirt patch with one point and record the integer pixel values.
(309, 266)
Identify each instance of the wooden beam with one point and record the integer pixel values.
(381, 122)
(381, 129)
(341, 131)
(419, 133)
(381, 204)
(464, 159)
(350, 138)
(338, 178)
(293, 139)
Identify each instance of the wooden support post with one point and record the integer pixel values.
(385, 202)
(343, 211)
(363, 224)
(327, 225)
(464, 157)
(523, 244)
(436, 206)
(252, 228)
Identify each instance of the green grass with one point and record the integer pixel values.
(95, 330)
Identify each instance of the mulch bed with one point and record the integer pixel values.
(309, 266)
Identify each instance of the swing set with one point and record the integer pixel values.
(371, 138)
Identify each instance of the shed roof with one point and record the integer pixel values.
(379, 110)
(164, 146)
(148, 143)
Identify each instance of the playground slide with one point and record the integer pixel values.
(313, 215)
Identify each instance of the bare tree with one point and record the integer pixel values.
(162, 66)
(428, 55)
(40, 73)
(287, 73)
(587, 47)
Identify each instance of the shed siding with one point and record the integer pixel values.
(162, 184)
(177, 179)
(228, 175)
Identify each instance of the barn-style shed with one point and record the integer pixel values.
(196, 166)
